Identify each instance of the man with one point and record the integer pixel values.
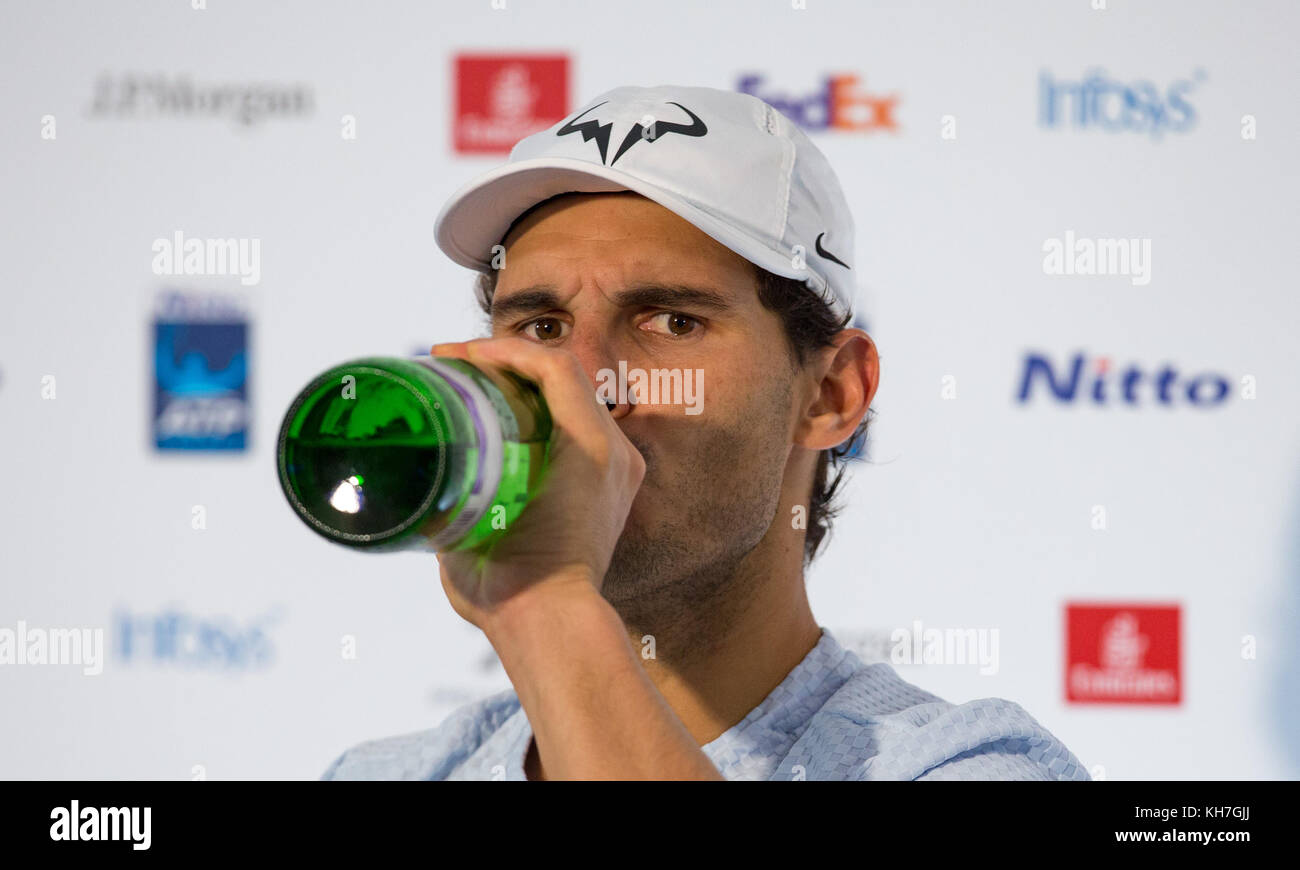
(649, 606)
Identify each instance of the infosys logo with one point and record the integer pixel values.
(1099, 102)
(1098, 381)
(842, 103)
(178, 638)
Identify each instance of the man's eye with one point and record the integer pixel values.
(545, 328)
(674, 323)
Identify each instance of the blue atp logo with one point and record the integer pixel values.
(200, 377)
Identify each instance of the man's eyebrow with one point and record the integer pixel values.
(540, 298)
(671, 296)
(544, 297)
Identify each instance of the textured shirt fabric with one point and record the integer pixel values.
(832, 718)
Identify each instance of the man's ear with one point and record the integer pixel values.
(849, 372)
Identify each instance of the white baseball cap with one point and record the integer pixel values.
(727, 162)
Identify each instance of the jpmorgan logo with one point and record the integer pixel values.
(158, 96)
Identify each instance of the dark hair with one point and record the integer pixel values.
(810, 325)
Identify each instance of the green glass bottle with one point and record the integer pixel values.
(385, 453)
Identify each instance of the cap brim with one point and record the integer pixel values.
(478, 215)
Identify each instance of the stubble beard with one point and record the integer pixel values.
(688, 581)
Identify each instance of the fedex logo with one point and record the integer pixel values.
(840, 104)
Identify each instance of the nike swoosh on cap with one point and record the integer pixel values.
(827, 254)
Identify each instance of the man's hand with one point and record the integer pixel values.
(567, 532)
(535, 593)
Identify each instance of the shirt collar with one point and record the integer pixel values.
(786, 710)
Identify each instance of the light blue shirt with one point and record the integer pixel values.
(831, 718)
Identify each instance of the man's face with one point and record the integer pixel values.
(616, 277)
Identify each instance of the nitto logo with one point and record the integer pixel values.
(1099, 102)
(841, 104)
(1097, 381)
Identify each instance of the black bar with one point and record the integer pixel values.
(330, 819)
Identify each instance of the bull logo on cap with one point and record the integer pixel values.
(599, 131)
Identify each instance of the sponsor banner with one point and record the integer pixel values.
(200, 373)
(501, 98)
(1123, 654)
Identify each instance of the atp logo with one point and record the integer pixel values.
(200, 373)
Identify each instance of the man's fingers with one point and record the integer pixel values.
(569, 393)
(570, 396)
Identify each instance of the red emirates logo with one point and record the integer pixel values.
(1123, 654)
(500, 99)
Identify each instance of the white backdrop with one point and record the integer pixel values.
(976, 510)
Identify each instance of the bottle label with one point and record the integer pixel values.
(491, 454)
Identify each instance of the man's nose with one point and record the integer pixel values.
(599, 356)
